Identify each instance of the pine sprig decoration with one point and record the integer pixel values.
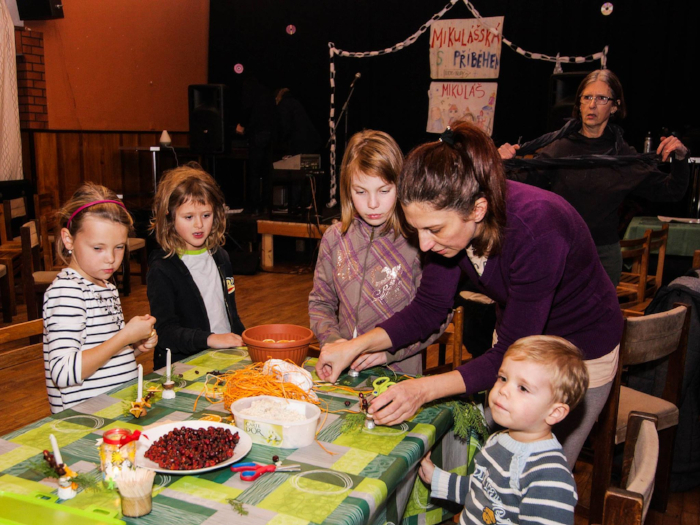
(85, 481)
(237, 506)
(467, 418)
(353, 423)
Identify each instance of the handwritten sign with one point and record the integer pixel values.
(465, 49)
(451, 102)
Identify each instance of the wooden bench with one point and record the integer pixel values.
(268, 229)
(22, 375)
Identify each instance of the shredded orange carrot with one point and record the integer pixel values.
(249, 382)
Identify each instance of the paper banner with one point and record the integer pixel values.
(465, 49)
(451, 102)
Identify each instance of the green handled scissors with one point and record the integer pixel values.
(380, 385)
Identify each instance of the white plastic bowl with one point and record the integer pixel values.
(282, 434)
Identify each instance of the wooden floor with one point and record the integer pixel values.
(282, 298)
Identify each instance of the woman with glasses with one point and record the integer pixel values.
(598, 183)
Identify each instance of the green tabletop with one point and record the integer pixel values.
(371, 477)
(683, 238)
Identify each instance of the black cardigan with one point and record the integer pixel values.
(176, 303)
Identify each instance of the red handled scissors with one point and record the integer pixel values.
(252, 471)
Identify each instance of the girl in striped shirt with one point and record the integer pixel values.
(88, 349)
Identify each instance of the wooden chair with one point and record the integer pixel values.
(45, 215)
(452, 338)
(34, 280)
(22, 376)
(5, 295)
(11, 258)
(628, 505)
(696, 259)
(134, 245)
(631, 289)
(644, 339)
(14, 209)
(658, 239)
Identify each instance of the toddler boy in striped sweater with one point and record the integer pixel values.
(521, 474)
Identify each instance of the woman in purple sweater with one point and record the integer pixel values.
(525, 248)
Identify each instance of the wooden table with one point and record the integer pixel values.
(355, 477)
(268, 229)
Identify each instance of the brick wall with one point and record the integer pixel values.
(31, 80)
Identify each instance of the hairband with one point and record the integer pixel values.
(93, 203)
(448, 136)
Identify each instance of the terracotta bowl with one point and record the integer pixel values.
(296, 348)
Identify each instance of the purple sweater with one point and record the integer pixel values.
(547, 279)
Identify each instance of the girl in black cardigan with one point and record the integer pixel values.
(190, 280)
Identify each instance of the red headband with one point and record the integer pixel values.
(76, 212)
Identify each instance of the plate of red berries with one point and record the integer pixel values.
(191, 447)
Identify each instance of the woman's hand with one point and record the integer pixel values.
(670, 145)
(402, 400)
(335, 357)
(426, 470)
(224, 340)
(399, 403)
(139, 328)
(508, 151)
(369, 360)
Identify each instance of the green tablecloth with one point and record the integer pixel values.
(371, 478)
(683, 239)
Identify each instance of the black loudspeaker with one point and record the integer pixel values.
(562, 94)
(207, 124)
(39, 9)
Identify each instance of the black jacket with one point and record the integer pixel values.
(181, 317)
(597, 191)
(651, 379)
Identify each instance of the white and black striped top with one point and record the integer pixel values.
(79, 315)
(512, 482)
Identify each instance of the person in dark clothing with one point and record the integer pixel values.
(596, 190)
(258, 125)
(190, 279)
(296, 133)
(173, 293)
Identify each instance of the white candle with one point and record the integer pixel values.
(56, 451)
(140, 391)
(168, 366)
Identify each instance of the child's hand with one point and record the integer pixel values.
(139, 328)
(224, 341)
(426, 469)
(369, 360)
(146, 345)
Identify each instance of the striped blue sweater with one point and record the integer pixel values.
(512, 482)
(79, 315)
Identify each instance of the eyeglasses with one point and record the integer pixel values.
(600, 100)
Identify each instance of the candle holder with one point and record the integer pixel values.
(66, 488)
(169, 390)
